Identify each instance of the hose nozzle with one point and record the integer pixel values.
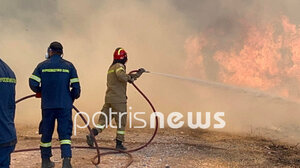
(134, 71)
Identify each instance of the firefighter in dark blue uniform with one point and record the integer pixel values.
(51, 80)
(8, 137)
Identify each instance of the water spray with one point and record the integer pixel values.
(255, 92)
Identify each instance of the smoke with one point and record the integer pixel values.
(89, 32)
(158, 35)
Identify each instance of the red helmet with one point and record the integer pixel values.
(120, 54)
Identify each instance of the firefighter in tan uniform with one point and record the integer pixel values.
(115, 99)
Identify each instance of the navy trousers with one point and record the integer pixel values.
(5, 156)
(64, 129)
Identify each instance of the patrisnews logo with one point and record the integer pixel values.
(174, 120)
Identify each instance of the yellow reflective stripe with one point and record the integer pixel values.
(119, 69)
(46, 145)
(111, 71)
(119, 51)
(36, 78)
(74, 80)
(65, 142)
(100, 126)
(121, 132)
(56, 70)
(8, 80)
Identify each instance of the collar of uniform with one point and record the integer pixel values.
(56, 56)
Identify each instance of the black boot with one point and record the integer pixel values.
(119, 145)
(67, 163)
(47, 163)
(90, 140)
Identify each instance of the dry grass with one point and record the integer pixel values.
(174, 148)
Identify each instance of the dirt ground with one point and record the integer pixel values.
(171, 148)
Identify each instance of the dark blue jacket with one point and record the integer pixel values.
(7, 105)
(53, 79)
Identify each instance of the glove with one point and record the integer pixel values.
(38, 95)
(132, 78)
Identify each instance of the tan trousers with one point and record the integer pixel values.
(120, 118)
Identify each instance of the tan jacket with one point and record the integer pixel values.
(117, 84)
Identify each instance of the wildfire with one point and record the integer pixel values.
(264, 56)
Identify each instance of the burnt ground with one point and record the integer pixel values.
(173, 148)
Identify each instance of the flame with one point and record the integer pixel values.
(193, 47)
(265, 57)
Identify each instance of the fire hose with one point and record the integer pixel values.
(97, 159)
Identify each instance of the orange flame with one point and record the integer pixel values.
(267, 58)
